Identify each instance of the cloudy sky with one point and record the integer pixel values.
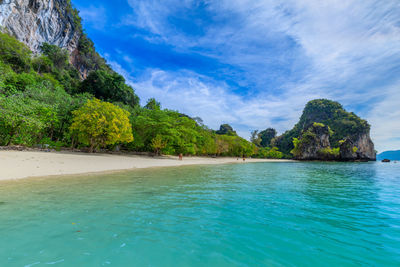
(255, 64)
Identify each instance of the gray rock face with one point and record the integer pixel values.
(365, 147)
(347, 151)
(315, 145)
(359, 147)
(35, 22)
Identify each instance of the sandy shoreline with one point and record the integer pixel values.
(25, 164)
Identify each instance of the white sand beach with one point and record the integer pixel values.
(24, 164)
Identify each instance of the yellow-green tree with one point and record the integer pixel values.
(98, 124)
(157, 143)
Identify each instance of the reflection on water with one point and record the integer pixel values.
(253, 214)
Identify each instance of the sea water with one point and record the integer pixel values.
(256, 214)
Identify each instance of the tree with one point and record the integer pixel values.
(221, 145)
(98, 124)
(109, 86)
(153, 104)
(199, 121)
(157, 143)
(266, 136)
(226, 129)
(269, 153)
(255, 138)
(42, 64)
(57, 55)
(273, 153)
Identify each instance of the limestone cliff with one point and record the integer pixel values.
(55, 22)
(35, 22)
(358, 147)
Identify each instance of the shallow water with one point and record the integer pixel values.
(260, 214)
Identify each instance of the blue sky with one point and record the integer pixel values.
(255, 64)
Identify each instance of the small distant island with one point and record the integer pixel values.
(390, 155)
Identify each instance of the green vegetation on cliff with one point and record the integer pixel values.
(86, 57)
(322, 111)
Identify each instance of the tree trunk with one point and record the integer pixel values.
(91, 146)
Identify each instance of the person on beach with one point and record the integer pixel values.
(244, 158)
(180, 156)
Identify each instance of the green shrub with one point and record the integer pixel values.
(316, 124)
(14, 53)
(329, 152)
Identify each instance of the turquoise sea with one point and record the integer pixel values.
(256, 214)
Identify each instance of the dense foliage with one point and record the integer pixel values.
(109, 86)
(14, 54)
(170, 132)
(269, 153)
(264, 147)
(263, 138)
(39, 114)
(55, 60)
(226, 129)
(38, 94)
(100, 124)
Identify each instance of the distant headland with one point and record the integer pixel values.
(390, 155)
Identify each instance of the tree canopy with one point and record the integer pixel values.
(153, 104)
(266, 137)
(226, 129)
(99, 124)
(109, 86)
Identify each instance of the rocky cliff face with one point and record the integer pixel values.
(365, 146)
(314, 143)
(358, 147)
(35, 22)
